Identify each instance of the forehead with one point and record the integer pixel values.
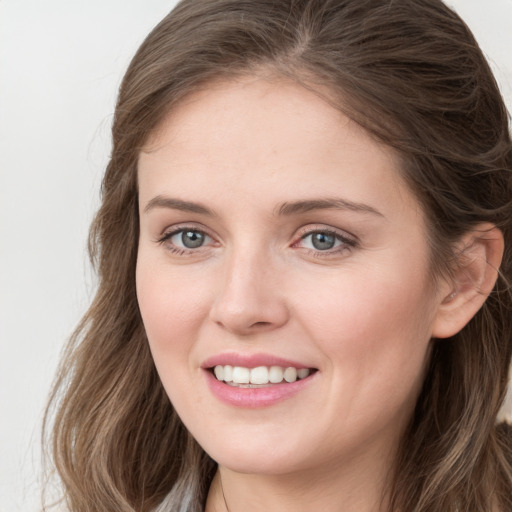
(271, 137)
(248, 104)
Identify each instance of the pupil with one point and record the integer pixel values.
(192, 239)
(323, 241)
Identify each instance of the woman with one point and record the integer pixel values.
(299, 304)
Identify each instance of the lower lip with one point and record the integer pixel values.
(252, 398)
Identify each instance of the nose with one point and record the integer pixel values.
(250, 297)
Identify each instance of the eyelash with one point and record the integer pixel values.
(346, 243)
(180, 251)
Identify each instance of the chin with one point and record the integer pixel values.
(262, 457)
(258, 465)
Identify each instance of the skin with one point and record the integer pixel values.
(363, 313)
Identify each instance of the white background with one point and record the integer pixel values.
(61, 62)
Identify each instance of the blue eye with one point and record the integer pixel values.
(321, 240)
(189, 239)
(326, 241)
(185, 239)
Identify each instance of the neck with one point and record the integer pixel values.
(345, 489)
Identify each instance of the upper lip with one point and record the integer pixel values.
(250, 361)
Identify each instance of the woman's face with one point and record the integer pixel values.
(275, 234)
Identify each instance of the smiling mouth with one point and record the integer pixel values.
(261, 376)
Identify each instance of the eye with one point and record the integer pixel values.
(189, 239)
(326, 241)
(185, 239)
(321, 241)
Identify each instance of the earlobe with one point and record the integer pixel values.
(478, 258)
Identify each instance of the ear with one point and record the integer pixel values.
(477, 259)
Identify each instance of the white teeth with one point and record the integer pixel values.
(260, 375)
(219, 372)
(290, 375)
(228, 373)
(275, 375)
(241, 375)
(302, 373)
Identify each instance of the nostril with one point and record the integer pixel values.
(260, 325)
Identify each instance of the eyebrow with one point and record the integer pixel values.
(177, 204)
(286, 209)
(298, 207)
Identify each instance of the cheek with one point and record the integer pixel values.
(173, 305)
(173, 309)
(375, 333)
(367, 305)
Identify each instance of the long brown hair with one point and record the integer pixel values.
(410, 73)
